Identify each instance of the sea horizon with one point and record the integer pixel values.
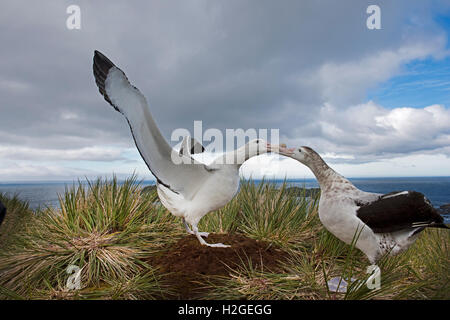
(7, 182)
(436, 188)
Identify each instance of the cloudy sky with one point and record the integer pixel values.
(372, 102)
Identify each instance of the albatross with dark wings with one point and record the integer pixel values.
(381, 223)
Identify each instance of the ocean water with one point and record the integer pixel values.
(437, 189)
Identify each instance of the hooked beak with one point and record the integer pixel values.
(282, 149)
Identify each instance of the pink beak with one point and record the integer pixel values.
(286, 151)
(280, 149)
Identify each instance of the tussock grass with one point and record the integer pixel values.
(264, 212)
(17, 214)
(105, 228)
(109, 229)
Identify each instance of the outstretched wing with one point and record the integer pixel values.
(399, 210)
(177, 172)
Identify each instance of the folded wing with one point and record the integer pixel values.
(398, 211)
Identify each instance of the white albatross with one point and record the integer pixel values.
(187, 188)
(383, 223)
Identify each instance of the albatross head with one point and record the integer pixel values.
(256, 147)
(251, 149)
(305, 155)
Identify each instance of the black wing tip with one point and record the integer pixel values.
(101, 60)
(101, 66)
(99, 55)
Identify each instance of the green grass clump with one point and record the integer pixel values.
(17, 215)
(105, 228)
(111, 229)
(264, 212)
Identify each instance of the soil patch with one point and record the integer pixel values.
(192, 264)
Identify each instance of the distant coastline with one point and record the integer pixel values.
(151, 181)
(437, 189)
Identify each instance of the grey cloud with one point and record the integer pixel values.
(249, 64)
(38, 154)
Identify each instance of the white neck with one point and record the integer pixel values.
(235, 157)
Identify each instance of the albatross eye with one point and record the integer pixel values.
(299, 150)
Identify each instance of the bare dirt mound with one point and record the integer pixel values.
(192, 264)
